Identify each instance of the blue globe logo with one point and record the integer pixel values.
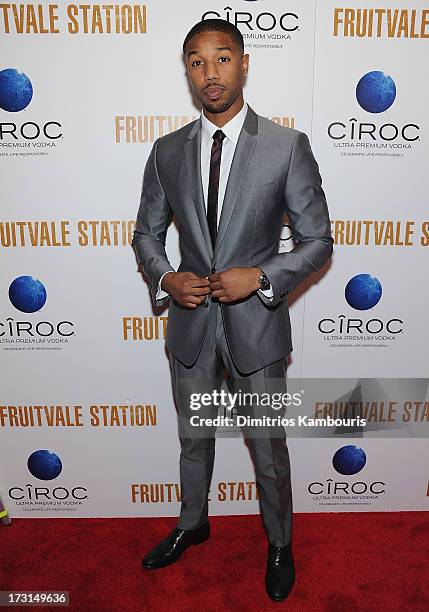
(349, 460)
(44, 465)
(16, 90)
(376, 91)
(363, 291)
(27, 294)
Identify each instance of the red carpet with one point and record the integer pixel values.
(345, 563)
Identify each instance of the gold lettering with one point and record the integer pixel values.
(424, 240)
(424, 24)
(403, 24)
(73, 24)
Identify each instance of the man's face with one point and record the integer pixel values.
(216, 70)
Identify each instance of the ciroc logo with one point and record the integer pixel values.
(28, 294)
(362, 292)
(16, 90)
(262, 26)
(16, 93)
(44, 465)
(375, 93)
(47, 465)
(348, 461)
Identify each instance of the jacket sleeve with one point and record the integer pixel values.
(153, 218)
(307, 210)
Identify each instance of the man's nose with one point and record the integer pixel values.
(212, 72)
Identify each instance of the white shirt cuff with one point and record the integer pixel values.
(161, 294)
(268, 293)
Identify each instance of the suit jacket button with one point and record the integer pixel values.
(204, 304)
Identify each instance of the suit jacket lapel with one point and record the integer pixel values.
(243, 152)
(193, 170)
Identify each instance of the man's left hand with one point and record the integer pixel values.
(234, 284)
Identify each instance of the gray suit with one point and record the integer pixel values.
(273, 173)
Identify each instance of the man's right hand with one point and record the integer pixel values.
(186, 288)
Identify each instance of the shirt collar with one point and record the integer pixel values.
(231, 129)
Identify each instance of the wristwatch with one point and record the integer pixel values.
(264, 283)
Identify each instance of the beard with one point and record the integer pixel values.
(214, 108)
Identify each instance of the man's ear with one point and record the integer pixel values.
(245, 63)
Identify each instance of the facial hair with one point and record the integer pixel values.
(211, 108)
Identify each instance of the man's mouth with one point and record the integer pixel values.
(213, 93)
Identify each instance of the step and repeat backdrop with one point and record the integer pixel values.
(87, 419)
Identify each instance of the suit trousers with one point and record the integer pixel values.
(267, 445)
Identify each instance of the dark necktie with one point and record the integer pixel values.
(213, 192)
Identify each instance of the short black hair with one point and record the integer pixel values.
(215, 25)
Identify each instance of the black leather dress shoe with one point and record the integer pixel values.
(169, 550)
(280, 576)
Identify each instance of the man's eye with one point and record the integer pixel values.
(224, 59)
(196, 63)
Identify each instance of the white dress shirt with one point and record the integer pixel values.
(232, 131)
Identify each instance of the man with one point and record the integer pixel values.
(229, 178)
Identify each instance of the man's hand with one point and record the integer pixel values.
(187, 288)
(234, 284)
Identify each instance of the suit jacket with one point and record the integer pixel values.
(273, 173)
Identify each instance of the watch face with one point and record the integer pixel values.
(265, 283)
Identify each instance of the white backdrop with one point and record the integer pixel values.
(68, 207)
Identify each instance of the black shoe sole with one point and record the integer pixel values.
(277, 598)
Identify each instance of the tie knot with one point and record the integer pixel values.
(218, 135)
